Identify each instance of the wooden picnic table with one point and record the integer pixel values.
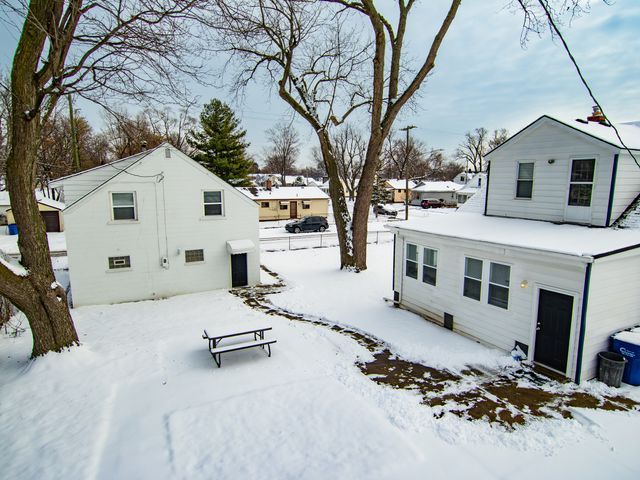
(258, 341)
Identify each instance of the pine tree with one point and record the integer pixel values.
(220, 143)
(379, 194)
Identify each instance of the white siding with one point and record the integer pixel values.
(170, 221)
(614, 304)
(538, 144)
(627, 185)
(491, 325)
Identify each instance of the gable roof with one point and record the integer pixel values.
(629, 131)
(40, 198)
(284, 193)
(400, 183)
(438, 187)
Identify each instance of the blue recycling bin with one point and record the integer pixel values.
(13, 229)
(631, 351)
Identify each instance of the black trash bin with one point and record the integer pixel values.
(611, 368)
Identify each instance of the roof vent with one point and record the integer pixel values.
(167, 153)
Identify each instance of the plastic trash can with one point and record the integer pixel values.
(627, 344)
(610, 368)
(13, 229)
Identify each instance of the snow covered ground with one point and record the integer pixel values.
(141, 397)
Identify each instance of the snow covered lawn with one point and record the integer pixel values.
(141, 397)
(9, 243)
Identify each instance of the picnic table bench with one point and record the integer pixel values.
(258, 341)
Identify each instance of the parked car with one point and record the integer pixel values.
(382, 210)
(308, 224)
(431, 203)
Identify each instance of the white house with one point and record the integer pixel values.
(430, 190)
(511, 277)
(470, 188)
(153, 225)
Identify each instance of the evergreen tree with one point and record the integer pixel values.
(379, 194)
(220, 144)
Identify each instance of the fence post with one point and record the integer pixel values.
(320, 240)
(289, 243)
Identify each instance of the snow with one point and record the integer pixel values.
(284, 193)
(141, 398)
(400, 183)
(632, 337)
(535, 235)
(476, 203)
(40, 197)
(240, 246)
(629, 131)
(14, 266)
(428, 187)
(9, 243)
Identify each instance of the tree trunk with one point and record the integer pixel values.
(37, 295)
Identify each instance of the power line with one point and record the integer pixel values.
(544, 5)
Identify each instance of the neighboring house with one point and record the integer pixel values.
(463, 178)
(288, 202)
(397, 189)
(153, 225)
(470, 188)
(50, 210)
(556, 290)
(325, 188)
(428, 190)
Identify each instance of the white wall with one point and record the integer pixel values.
(538, 144)
(627, 185)
(491, 325)
(170, 220)
(614, 304)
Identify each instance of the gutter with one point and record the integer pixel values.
(612, 189)
(583, 322)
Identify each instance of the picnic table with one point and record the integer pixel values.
(258, 341)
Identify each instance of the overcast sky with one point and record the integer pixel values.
(482, 77)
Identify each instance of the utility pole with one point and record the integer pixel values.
(406, 173)
(75, 154)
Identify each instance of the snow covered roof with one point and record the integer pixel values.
(629, 131)
(475, 204)
(40, 197)
(438, 187)
(400, 183)
(529, 234)
(284, 193)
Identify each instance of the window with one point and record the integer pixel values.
(119, 262)
(124, 205)
(581, 183)
(306, 205)
(499, 285)
(191, 256)
(429, 266)
(212, 203)
(524, 187)
(283, 206)
(264, 204)
(472, 278)
(411, 264)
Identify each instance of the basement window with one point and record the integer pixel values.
(193, 256)
(119, 262)
(411, 261)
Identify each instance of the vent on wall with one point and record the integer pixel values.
(448, 321)
(167, 153)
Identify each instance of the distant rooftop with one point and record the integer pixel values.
(284, 193)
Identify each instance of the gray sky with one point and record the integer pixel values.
(482, 77)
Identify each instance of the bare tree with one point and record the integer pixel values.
(350, 149)
(476, 145)
(171, 126)
(401, 159)
(282, 154)
(93, 50)
(130, 134)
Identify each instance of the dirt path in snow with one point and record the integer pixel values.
(508, 397)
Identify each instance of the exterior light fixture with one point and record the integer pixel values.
(524, 284)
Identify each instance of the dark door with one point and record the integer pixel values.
(239, 270)
(293, 209)
(51, 221)
(553, 329)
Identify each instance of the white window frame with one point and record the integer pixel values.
(204, 204)
(465, 276)
(592, 182)
(416, 261)
(425, 265)
(134, 205)
(518, 179)
(118, 268)
(499, 285)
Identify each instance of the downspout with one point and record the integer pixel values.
(486, 194)
(612, 188)
(583, 321)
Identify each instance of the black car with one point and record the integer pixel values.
(382, 210)
(308, 224)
